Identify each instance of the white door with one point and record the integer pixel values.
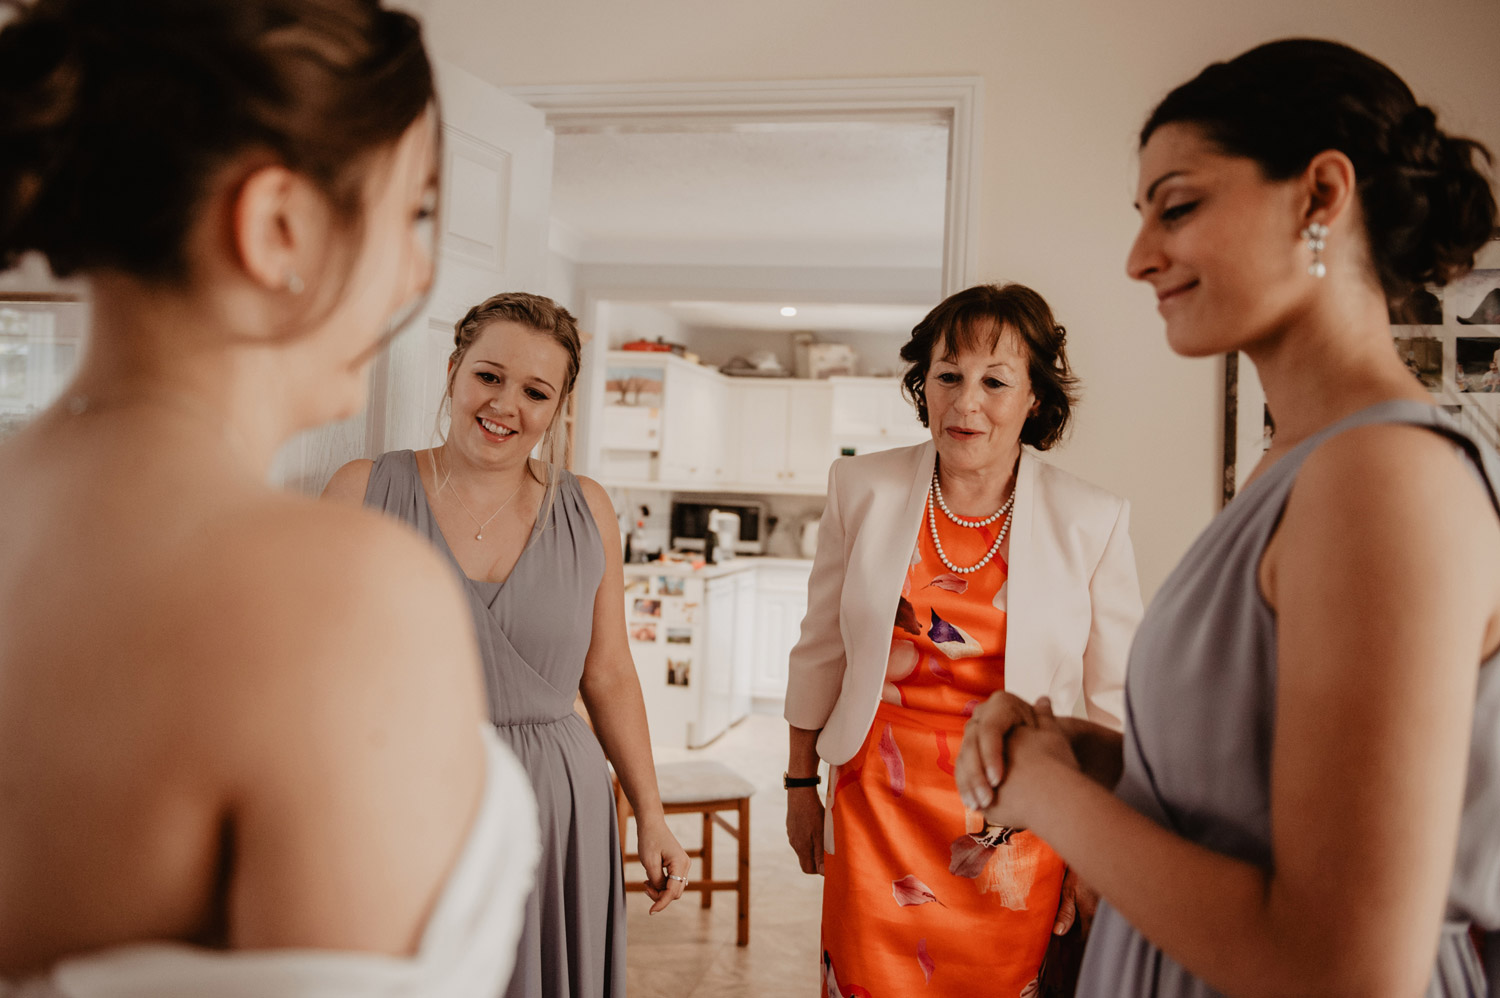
(496, 184)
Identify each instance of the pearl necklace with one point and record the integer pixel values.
(937, 493)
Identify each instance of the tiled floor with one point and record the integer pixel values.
(686, 952)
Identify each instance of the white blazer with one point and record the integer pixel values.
(1072, 605)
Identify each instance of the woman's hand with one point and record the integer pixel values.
(804, 827)
(1078, 904)
(1033, 750)
(980, 766)
(665, 861)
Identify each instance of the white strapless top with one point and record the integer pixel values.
(467, 948)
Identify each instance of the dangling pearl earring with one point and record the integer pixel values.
(1316, 233)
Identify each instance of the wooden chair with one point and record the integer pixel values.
(707, 788)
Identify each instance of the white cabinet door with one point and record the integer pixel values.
(762, 427)
(744, 644)
(858, 409)
(693, 427)
(781, 605)
(680, 435)
(809, 445)
(870, 414)
(715, 671)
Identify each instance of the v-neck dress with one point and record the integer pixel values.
(534, 630)
(1200, 718)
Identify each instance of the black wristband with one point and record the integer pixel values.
(789, 782)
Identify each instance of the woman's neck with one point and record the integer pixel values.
(455, 470)
(156, 350)
(975, 493)
(1332, 362)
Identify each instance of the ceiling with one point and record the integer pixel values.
(859, 193)
(893, 319)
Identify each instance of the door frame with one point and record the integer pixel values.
(956, 100)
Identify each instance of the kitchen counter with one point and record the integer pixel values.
(733, 565)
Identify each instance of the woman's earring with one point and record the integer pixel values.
(294, 283)
(1316, 235)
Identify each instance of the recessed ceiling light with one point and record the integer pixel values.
(788, 311)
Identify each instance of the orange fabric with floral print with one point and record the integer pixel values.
(911, 904)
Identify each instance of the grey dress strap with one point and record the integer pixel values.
(1200, 718)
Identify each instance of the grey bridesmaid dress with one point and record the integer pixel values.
(534, 631)
(1200, 714)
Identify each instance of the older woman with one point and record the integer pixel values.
(538, 553)
(912, 621)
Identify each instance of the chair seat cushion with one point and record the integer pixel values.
(687, 782)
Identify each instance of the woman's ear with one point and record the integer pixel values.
(279, 227)
(1329, 183)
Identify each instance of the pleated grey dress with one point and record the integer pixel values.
(534, 631)
(1200, 715)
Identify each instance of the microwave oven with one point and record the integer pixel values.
(689, 522)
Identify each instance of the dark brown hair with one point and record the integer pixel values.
(975, 319)
(115, 117)
(1427, 203)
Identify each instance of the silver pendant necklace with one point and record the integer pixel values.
(933, 507)
(479, 535)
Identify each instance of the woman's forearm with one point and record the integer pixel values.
(802, 752)
(618, 712)
(1185, 898)
(1099, 750)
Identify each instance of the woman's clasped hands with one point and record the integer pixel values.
(1013, 745)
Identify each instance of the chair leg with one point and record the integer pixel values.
(743, 891)
(708, 855)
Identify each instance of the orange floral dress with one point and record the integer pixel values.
(912, 905)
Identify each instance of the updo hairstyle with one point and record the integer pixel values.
(1426, 200)
(975, 319)
(115, 117)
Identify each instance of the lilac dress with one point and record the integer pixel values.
(534, 631)
(1200, 716)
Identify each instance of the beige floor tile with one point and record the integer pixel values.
(687, 952)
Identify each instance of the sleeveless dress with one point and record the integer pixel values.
(534, 631)
(466, 948)
(1200, 699)
(912, 905)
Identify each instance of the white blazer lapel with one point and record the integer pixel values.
(889, 557)
(1026, 674)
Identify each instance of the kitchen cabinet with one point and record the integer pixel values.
(871, 414)
(781, 595)
(693, 445)
(783, 433)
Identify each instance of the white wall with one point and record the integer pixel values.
(1067, 83)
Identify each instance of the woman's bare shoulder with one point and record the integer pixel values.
(297, 591)
(349, 483)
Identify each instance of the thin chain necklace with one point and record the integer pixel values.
(479, 536)
(933, 507)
